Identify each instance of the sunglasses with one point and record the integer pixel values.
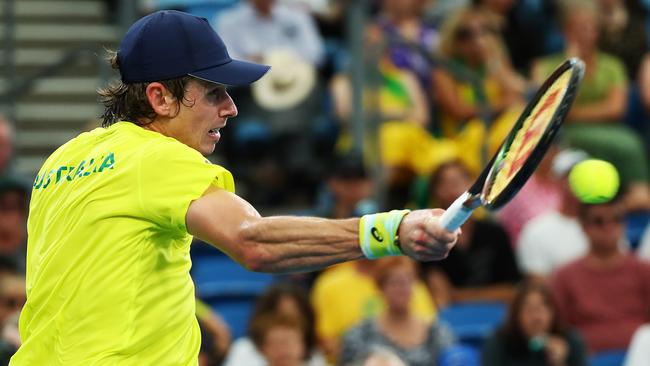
(604, 220)
(468, 33)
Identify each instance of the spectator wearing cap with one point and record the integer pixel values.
(482, 266)
(554, 238)
(605, 294)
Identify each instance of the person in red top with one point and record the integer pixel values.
(606, 293)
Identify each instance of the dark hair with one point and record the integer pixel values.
(129, 101)
(436, 176)
(516, 340)
(268, 304)
(260, 327)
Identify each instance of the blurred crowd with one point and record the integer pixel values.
(444, 82)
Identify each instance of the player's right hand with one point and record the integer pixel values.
(422, 237)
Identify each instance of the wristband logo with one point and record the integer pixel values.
(375, 234)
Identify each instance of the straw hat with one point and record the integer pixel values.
(288, 83)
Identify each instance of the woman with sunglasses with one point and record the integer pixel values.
(475, 88)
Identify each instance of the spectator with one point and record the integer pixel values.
(413, 339)
(281, 300)
(595, 120)
(279, 338)
(554, 238)
(606, 293)
(534, 334)
(348, 190)
(6, 146)
(409, 40)
(256, 27)
(482, 265)
(12, 299)
(272, 144)
(540, 194)
(406, 146)
(527, 28)
(477, 92)
(12, 295)
(13, 218)
(346, 294)
(623, 32)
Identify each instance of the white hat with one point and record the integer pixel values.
(287, 84)
(566, 159)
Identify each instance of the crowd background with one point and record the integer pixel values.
(388, 104)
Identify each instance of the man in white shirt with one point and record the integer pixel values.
(256, 27)
(556, 237)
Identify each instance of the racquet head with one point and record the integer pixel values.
(532, 135)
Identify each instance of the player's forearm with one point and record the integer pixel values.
(289, 244)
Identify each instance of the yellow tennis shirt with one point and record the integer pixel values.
(108, 252)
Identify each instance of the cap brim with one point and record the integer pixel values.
(233, 73)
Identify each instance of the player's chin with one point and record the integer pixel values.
(207, 148)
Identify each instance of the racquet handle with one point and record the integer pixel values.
(457, 213)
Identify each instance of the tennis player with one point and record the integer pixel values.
(113, 212)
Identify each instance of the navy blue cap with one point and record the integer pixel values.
(169, 44)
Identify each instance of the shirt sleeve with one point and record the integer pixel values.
(616, 71)
(171, 176)
(310, 43)
(530, 257)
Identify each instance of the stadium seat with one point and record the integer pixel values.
(226, 286)
(635, 225)
(609, 358)
(219, 276)
(472, 322)
(460, 355)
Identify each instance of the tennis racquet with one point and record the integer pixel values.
(523, 148)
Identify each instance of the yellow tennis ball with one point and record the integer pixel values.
(594, 181)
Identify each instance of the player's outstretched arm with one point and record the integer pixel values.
(287, 243)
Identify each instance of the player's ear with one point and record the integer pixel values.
(161, 100)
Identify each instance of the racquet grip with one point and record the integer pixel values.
(457, 213)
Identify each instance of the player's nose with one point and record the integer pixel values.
(228, 109)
